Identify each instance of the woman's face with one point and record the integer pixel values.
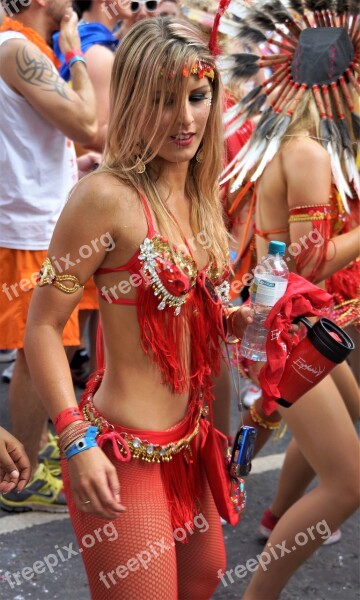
(187, 125)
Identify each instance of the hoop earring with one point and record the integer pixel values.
(200, 155)
(140, 166)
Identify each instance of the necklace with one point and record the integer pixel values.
(32, 35)
(313, 137)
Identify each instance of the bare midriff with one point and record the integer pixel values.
(132, 393)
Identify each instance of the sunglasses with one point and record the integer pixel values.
(150, 5)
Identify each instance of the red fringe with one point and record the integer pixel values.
(181, 481)
(345, 284)
(316, 251)
(180, 476)
(165, 338)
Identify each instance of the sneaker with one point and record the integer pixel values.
(269, 521)
(7, 356)
(8, 373)
(50, 452)
(251, 394)
(43, 493)
(333, 538)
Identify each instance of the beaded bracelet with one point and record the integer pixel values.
(67, 416)
(73, 432)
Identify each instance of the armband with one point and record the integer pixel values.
(47, 276)
(84, 443)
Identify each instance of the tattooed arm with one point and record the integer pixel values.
(30, 73)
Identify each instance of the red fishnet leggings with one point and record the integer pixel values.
(136, 557)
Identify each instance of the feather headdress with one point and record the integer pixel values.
(315, 46)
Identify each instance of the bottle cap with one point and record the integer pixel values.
(277, 248)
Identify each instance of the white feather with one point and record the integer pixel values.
(231, 113)
(233, 127)
(340, 181)
(269, 154)
(352, 171)
(249, 161)
(225, 63)
(239, 10)
(234, 161)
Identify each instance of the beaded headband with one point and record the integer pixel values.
(201, 69)
(313, 45)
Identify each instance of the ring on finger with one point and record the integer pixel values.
(86, 502)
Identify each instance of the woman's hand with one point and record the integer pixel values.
(95, 484)
(14, 464)
(242, 318)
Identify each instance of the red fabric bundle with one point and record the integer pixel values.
(301, 298)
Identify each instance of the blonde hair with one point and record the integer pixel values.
(305, 117)
(149, 63)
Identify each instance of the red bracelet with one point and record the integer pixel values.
(71, 54)
(67, 416)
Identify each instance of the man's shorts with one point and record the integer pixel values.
(89, 300)
(18, 272)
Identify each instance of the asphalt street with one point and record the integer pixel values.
(331, 574)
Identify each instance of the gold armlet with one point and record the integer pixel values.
(319, 216)
(47, 276)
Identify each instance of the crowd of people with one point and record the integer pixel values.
(144, 177)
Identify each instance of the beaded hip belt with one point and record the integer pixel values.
(137, 447)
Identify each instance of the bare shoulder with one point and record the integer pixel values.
(100, 55)
(307, 171)
(102, 194)
(304, 153)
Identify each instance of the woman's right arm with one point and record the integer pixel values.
(84, 223)
(307, 172)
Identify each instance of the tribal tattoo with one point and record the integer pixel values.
(34, 68)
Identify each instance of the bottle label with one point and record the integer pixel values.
(267, 289)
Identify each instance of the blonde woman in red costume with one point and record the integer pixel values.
(161, 291)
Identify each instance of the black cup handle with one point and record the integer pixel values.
(304, 321)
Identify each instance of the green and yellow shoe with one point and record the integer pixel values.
(43, 493)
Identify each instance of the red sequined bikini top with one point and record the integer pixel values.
(175, 303)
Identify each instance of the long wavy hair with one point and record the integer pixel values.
(149, 63)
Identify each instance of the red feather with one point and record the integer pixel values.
(213, 45)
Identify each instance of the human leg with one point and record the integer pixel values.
(23, 402)
(201, 559)
(296, 473)
(138, 559)
(326, 437)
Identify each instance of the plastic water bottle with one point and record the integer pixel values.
(270, 282)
